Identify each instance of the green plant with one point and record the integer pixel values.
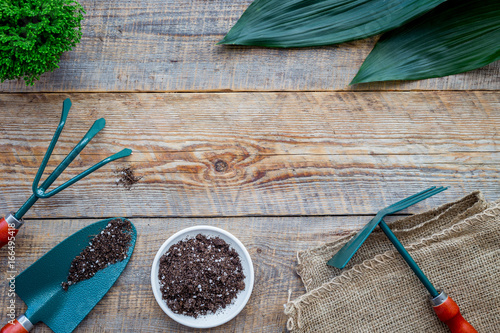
(34, 34)
(306, 23)
(455, 37)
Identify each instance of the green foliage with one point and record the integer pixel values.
(455, 37)
(426, 38)
(34, 34)
(305, 23)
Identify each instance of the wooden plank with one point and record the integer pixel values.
(244, 154)
(130, 305)
(159, 45)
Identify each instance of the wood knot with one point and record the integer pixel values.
(220, 166)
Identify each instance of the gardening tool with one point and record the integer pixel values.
(9, 226)
(39, 286)
(445, 308)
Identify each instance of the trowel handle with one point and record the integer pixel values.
(19, 325)
(448, 312)
(7, 233)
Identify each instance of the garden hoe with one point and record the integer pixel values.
(445, 308)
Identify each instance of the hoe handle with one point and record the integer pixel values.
(449, 313)
(16, 327)
(6, 233)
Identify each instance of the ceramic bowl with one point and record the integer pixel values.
(223, 315)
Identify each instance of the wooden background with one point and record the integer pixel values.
(271, 145)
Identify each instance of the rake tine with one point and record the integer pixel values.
(394, 205)
(421, 197)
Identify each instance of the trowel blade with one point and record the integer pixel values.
(39, 286)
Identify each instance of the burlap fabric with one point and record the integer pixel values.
(458, 247)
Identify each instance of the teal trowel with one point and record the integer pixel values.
(39, 286)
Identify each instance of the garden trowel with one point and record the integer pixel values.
(39, 286)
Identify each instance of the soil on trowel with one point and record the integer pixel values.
(127, 177)
(106, 248)
(200, 275)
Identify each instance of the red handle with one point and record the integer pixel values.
(449, 313)
(6, 234)
(16, 327)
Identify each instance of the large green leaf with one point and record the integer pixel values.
(301, 23)
(455, 37)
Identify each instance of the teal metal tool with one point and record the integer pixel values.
(11, 223)
(445, 308)
(39, 286)
(342, 257)
(409, 260)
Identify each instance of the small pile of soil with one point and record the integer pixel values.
(127, 177)
(200, 275)
(108, 247)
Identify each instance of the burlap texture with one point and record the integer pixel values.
(456, 245)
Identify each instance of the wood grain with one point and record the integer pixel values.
(240, 154)
(130, 305)
(167, 45)
(283, 170)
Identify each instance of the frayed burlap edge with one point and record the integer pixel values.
(357, 271)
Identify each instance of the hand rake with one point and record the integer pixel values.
(9, 226)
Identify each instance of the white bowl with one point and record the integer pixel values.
(223, 315)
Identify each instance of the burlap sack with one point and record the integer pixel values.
(456, 245)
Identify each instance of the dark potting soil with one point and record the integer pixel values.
(127, 177)
(200, 275)
(106, 248)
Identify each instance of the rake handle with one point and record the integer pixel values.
(6, 234)
(16, 327)
(449, 313)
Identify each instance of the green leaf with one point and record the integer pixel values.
(302, 23)
(455, 37)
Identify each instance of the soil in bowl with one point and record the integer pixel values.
(108, 247)
(200, 275)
